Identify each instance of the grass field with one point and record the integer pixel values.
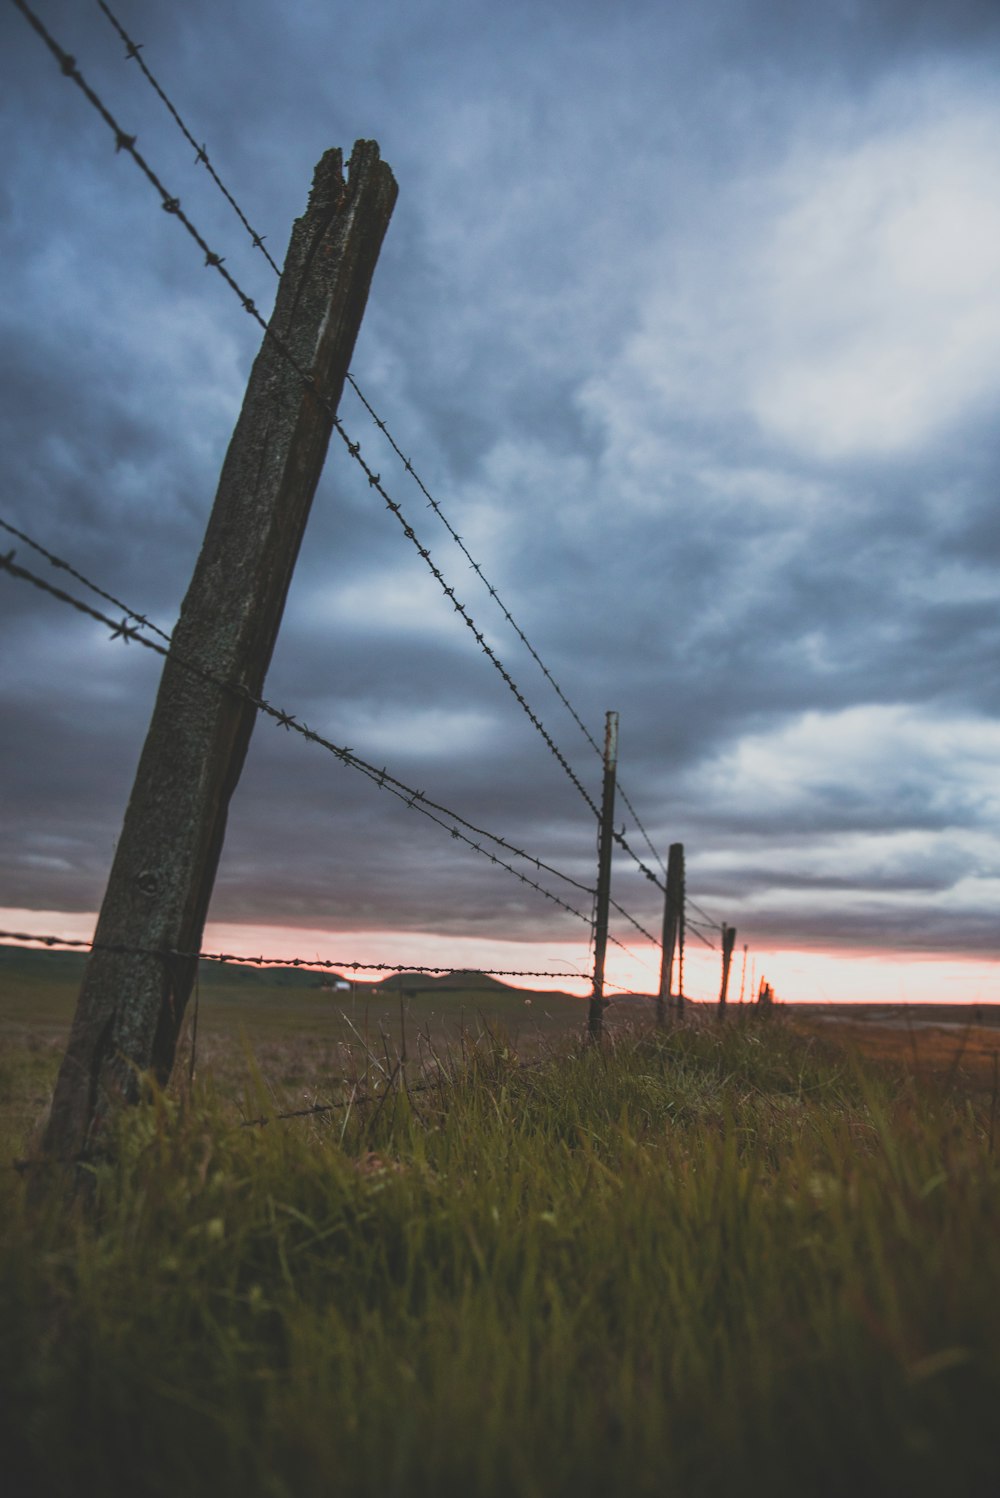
(304, 1038)
(731, 1257)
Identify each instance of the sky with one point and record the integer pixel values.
(689, 317)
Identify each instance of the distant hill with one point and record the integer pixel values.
(34, 962)
(26, 965)
(464, 980)
(41, 963)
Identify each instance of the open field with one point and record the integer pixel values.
(304, 1037)
(956, 1045)
(729, 1257)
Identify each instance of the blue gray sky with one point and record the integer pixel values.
(688, 314)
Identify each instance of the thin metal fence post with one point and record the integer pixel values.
(604, 847)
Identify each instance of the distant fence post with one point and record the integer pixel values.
(673, 915)
(131, 1001)
(728, 942)
(604, 847)
(673, 934)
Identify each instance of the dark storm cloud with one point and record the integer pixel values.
(688, 316)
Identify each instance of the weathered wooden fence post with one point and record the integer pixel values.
(728, 942)
(132, 1000)
(673, 918)
(604, 847)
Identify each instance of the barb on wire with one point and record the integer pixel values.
(140, 619)
(133, 51)
(614, 941)
(323, 964)
(703, 913)
(172, 205)
(375, 481)
(414, 799)
(646, 839)
(435, 505)
(302, 962)
(620, 839)
(125, 142)
(632, 921)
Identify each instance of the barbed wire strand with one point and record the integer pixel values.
(493, 592)
(538, 863)
(414, 799)
(325, 964)
(171, 204)
(632, 921)
(232, 958)
(703, 913)
(132, 52)
(64, 566)
(125, 142)
(375, 482)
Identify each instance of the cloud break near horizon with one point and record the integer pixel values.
(689, 318)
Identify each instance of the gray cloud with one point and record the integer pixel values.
(690, 320)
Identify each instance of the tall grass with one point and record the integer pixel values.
(711, 1261)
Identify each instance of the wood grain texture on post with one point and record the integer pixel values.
(728, 942)
(605, 844)
(673, 911)
(131, 1006)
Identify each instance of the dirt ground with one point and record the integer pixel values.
(950, 1043)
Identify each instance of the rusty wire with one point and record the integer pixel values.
(697, 926)
(435, 505)
(124, 950)
(132, 52)
(171, 204)
(127, 634)
(633, 922)
(491, 589)
(375, 481)
(414, 799)
(140, 619)
(703, 913)
(125, 142)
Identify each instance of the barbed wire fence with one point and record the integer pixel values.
(458, 827)
(132, 625)
(133, 51)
